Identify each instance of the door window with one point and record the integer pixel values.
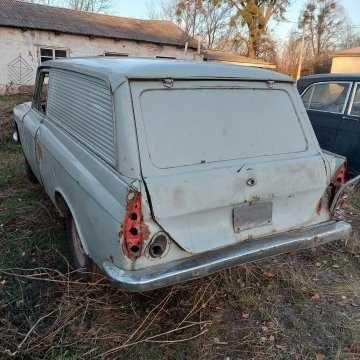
(329, 97)
(355, 108)
(306, 96)
(41, 93)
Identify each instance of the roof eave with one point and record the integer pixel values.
(28, 28)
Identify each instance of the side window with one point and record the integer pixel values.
(110, 53)
(355, 108)
(306, 96)
(330, 97)
(41, 92)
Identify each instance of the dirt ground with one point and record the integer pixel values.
(296, 306)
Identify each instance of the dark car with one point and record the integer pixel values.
(333, 105)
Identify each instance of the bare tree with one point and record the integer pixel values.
(89, 5)
(44, 2)
(214, 21)
(325, 25)
(81, 5)
(351, 37)
(256, 15)
(290, 54)
(207, 19)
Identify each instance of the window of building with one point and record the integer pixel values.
(51, 54)
(165, 57)
(109, 53)
(329, 97)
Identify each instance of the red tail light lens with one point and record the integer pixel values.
(341, 175)
(132, 244)
(338, 180)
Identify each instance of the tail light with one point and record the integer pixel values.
(132, 244)
(341, 175)
(338, 180)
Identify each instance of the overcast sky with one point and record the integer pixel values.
(139, 9)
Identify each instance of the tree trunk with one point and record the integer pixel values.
(253, 43)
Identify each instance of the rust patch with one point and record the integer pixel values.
(38, 151)
(144, 232)
(131, 229)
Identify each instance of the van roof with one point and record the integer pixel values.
(116, 70)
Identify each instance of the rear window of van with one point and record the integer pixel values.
(193, 126)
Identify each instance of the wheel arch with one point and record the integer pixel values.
(64, 207)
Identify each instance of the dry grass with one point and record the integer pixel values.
(299, 306)
(6, 107)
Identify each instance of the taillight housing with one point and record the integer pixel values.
(340, 178)
(132, 241)
(341, 175)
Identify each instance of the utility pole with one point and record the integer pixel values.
(301, 54)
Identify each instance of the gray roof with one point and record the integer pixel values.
(117, 70)
(29, 16)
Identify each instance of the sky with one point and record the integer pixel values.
(140, 9)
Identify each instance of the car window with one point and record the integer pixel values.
(191, 131)
(41, 93)
(306, 96)
(355, 109)
(330, 97)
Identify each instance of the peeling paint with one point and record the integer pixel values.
(131, 230)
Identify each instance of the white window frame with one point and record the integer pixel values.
(356, 87)
(329, 82)
(53, 49)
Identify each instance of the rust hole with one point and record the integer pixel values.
(133, 231)
(133, 216)
(134, 249)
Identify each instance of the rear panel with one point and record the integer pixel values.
(210, 149)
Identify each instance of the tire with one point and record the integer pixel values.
(81, 261)
(29, 173)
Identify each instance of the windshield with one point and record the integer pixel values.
(192, 126)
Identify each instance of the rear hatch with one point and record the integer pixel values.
(227, 161)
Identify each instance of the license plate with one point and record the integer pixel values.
(252, 215)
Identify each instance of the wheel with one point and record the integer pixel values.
(80, 259)
(29, 173)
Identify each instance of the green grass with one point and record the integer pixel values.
(299, 306)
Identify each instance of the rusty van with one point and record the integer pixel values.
(170, 170)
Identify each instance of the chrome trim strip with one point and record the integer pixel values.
(204, 264)
(356, 86)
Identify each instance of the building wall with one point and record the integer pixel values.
(20, 52)
(343, 64)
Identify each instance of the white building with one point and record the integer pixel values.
(346, 61)
(31, 34)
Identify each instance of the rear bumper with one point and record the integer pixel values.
(201, 265)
